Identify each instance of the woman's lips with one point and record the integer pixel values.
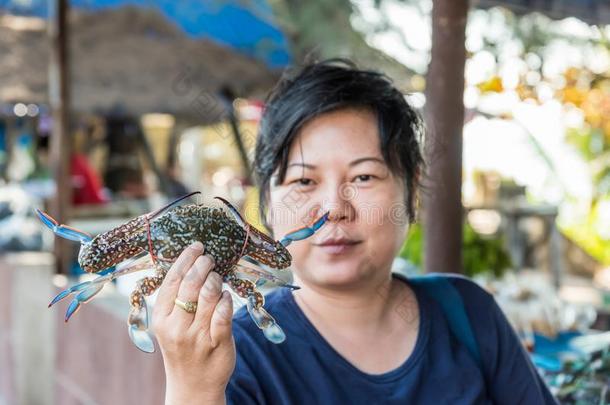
(338, 248)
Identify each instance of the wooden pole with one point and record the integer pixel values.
(445, 118)
(228, 98)
(59, 99)
(150, 158)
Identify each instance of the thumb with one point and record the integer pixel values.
(221, 323)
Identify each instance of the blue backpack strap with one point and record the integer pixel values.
(442, 290)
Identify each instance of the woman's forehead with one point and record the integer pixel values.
(343, 134)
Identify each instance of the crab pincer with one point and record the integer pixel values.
(305, 232)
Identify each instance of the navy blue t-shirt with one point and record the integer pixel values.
(305, 369)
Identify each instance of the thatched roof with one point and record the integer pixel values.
(129, 60)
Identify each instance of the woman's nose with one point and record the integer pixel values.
(338, 202)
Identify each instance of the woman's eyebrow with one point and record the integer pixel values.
(305, 165)
(352, 163)
(366, 159)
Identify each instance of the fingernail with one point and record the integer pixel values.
(212, 285)
(197, 246)
(224, 308)
(216, 280)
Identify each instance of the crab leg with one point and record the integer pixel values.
(63, 231)
(263, 276)
(254, 303)
(138, 315)
(87, 290)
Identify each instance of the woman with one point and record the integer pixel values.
(338, 139)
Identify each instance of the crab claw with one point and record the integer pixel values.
(72, 308)
(265, 322)
(63, 231)
(137, 325)
(88, 290)
(85, 291)
(81, 298)
(305, 232)
(141, 339)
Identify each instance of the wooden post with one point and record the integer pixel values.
(228, 98)
(445, 118)
(61, 145)
(149, 155)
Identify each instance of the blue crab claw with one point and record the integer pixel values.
(264, 321)
(86, 291)
(138, 326)
(141, 339)
(305, 232)
(88, 288)
(87, 294)
(82, 298)
(274, 334)
(60, 297)
(63, 231)
(72, 308)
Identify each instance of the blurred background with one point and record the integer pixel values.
(111, 108)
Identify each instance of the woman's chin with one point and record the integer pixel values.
(337, 276)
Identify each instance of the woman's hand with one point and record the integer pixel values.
(198, 349)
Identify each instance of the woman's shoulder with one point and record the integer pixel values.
(479, 305)
(485, 318)
(469, 291)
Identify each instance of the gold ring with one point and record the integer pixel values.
(188, 306)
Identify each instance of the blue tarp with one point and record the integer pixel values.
(247, 26)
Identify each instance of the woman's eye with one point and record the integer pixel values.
(363, 177)
(302, 182)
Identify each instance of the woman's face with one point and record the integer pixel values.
(335, 164)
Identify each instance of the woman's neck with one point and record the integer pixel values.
(374, 327)
(363, 308)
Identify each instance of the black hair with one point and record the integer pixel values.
(320, 87)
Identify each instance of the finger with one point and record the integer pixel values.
(169, 288)
(190, 286)
(209, 295)
(220, 327)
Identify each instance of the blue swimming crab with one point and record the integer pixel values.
(155, 240)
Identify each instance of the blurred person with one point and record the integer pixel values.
(127, 183)
(124, 173)
(339, 139)
(176, 187)
(88, 188)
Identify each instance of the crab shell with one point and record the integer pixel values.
(170, 233)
